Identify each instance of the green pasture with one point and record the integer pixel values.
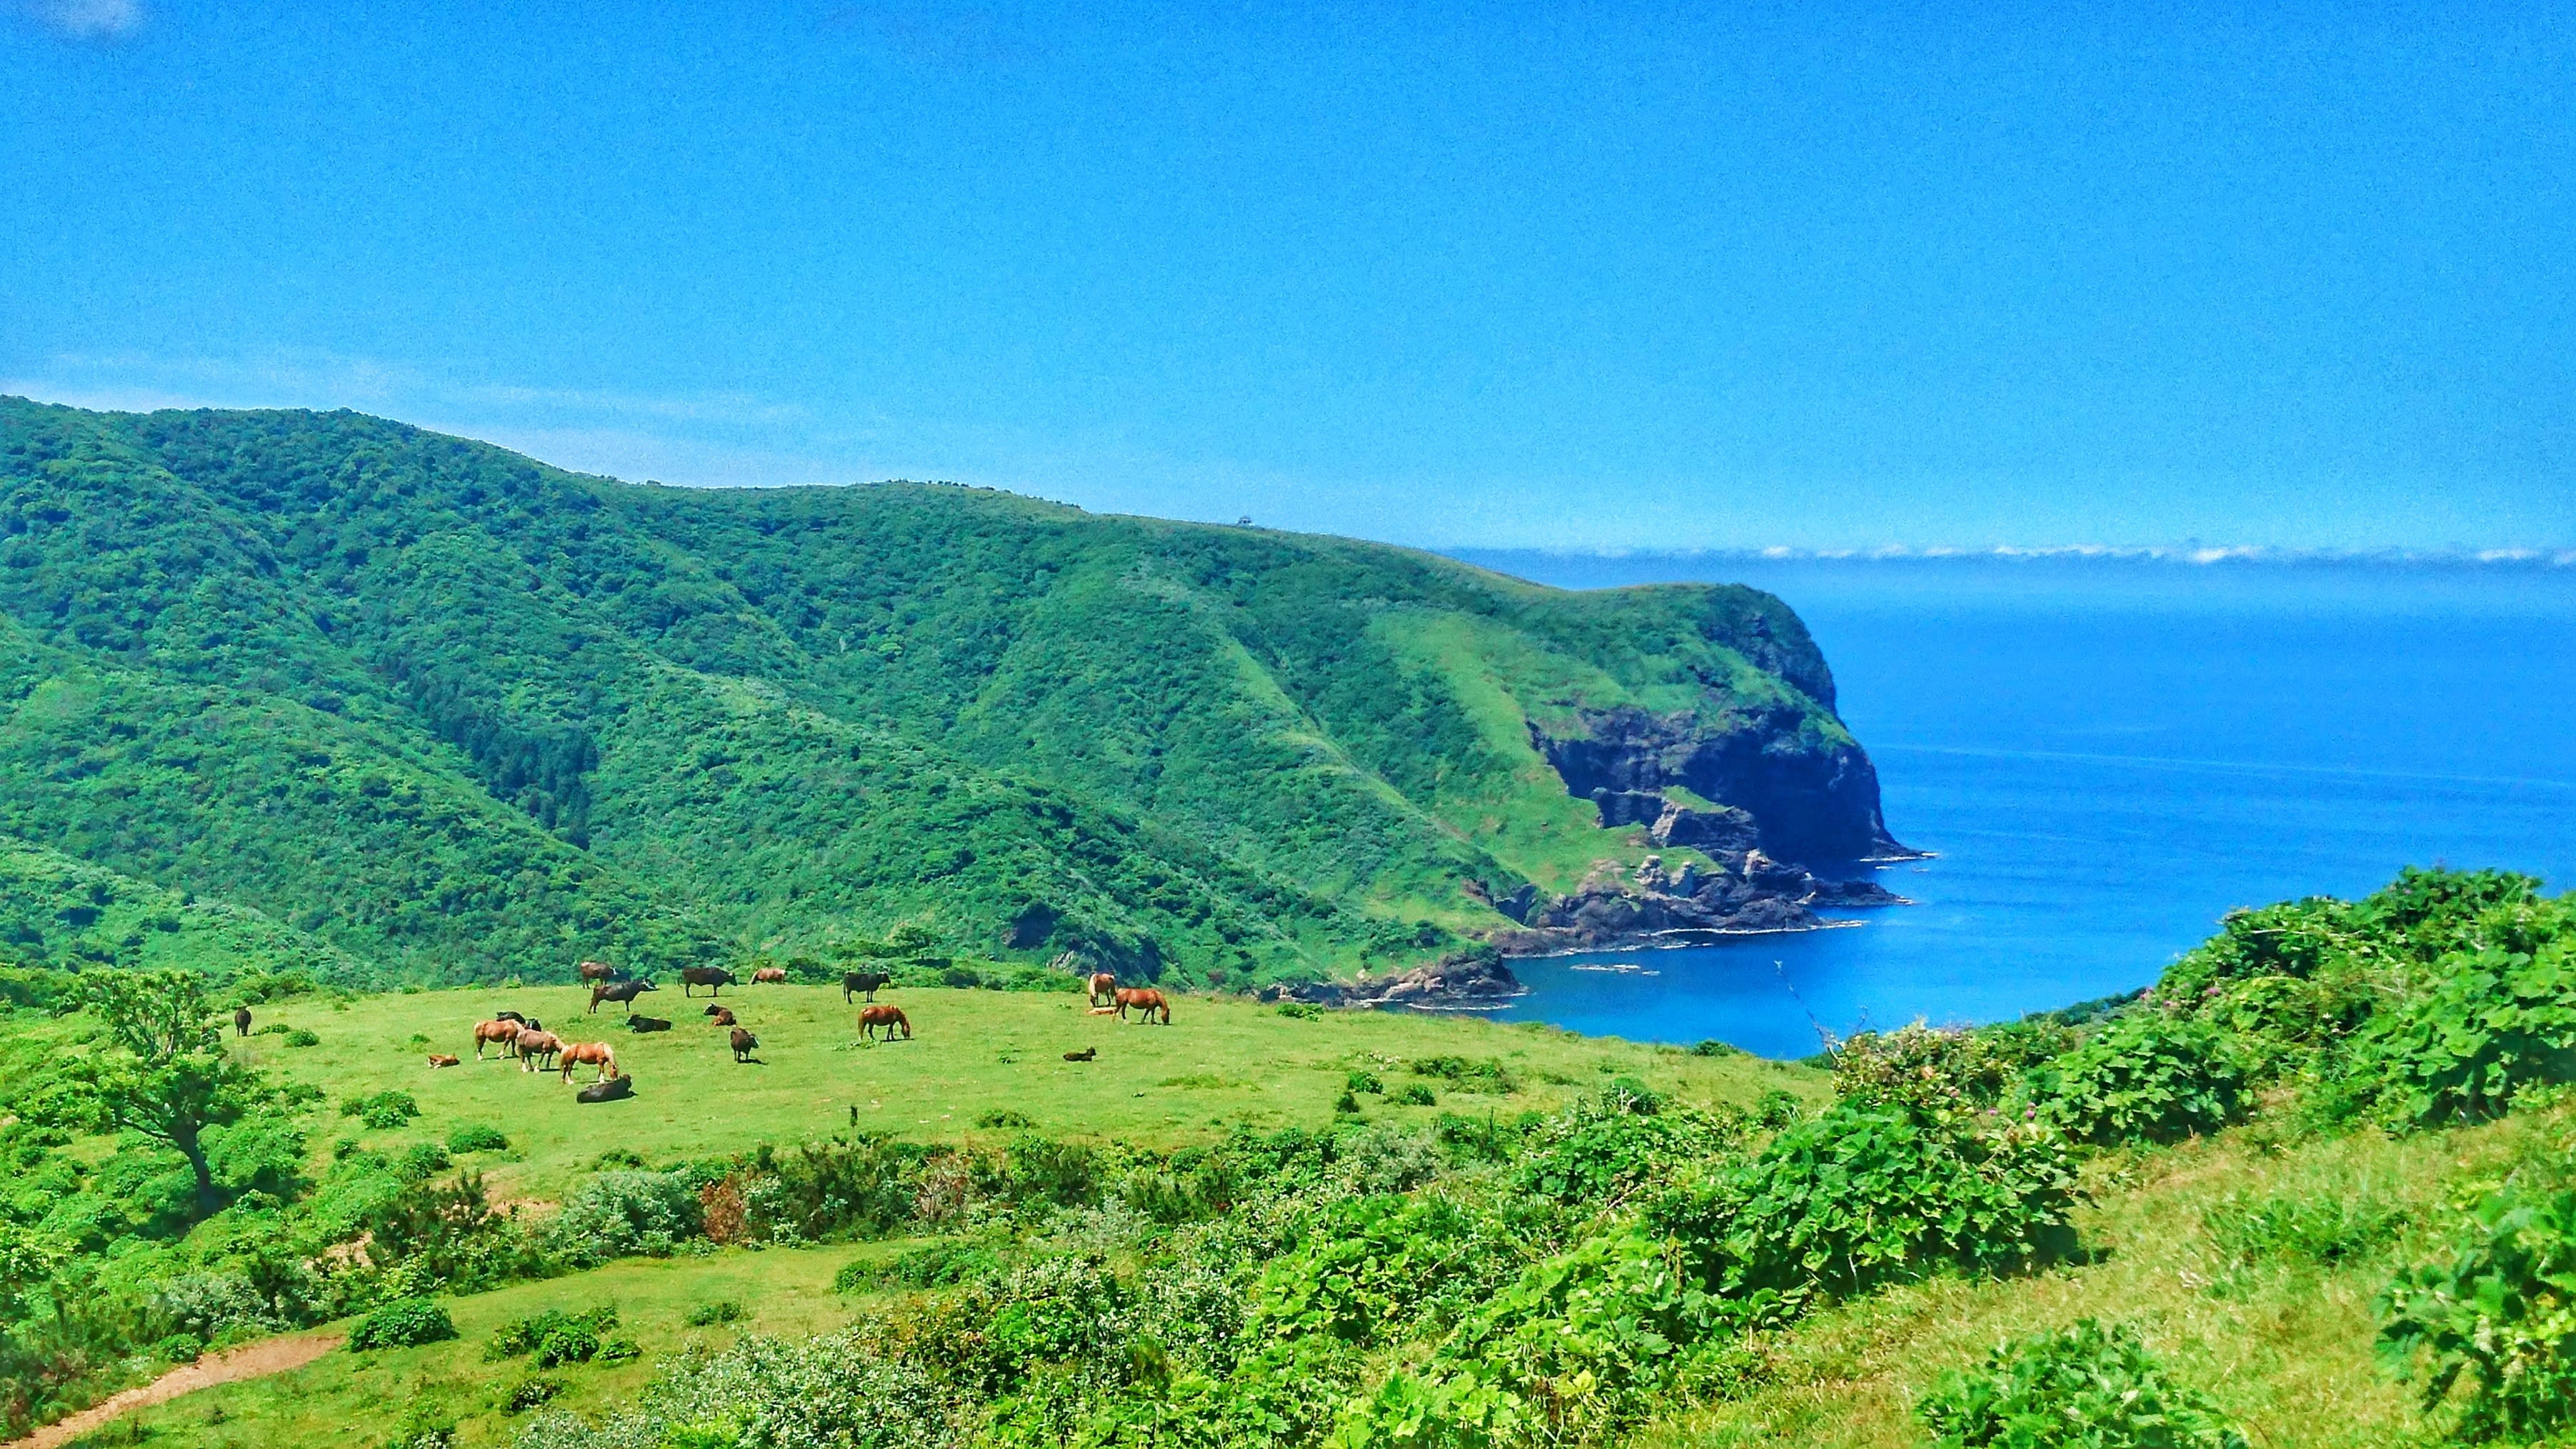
(1223, 1061)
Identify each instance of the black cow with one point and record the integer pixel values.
(865, 983)
(744, 1044)
(714, 978)
(241, 1022)
(647, 1023)
(616, 1089)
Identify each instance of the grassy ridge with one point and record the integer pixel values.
(463, 715)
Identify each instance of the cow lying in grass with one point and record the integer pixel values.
(611, 1089)
(648, 1023)
(721, 1015)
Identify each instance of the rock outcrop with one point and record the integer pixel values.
(1796, 791)
(1748, 893)
(1467, 979)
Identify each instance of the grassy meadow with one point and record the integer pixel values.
(1223, 1061)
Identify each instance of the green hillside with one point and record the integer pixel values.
(461, 716)
(2315, 1188)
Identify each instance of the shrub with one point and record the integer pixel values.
(2081, 1387)
(2145, 1077)
(724, 1310)
(530, 1393)
(1414, 1094)
(1364, 1082)
(384, 1111)
(1467, 1075)
(421, 1160)
(450, 1232)
(1919, 1067)
(1004, 1117)
(1346, 1104)
(553, 1336)
(179, 1348)
(2499, 1316)
(2457, 1050)
(1606, 1148)
(624, 1214)
(1300, 1010)
(300, 1037)
(402, 1324)
(477, 1138)
(1384, 1157)
(937, 1265)
(832, 1390)
(1859, 1196)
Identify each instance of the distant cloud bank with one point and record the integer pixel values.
(85, 19)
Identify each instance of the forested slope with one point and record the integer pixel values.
(460, 714)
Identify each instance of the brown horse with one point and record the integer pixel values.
(537, 1049)
(436, 1061)
(889, 1017)
(595, 971)
(503, 1034)
(1145, 999)
(769, 976)
(589, 1054)
(1104, 987)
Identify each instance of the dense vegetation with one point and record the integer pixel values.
(451, 714)
(1629, 1262)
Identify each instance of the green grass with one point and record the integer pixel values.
(2282, 1345)
(1225, 1060)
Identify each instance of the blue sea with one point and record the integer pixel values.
(2106, 756)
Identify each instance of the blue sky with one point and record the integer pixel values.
(1572, 276)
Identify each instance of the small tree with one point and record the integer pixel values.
(169, 1079)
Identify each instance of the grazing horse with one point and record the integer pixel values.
(1104, 987)
(721, 1015)
(537, 1049)
(503, 1034)
(436, 1061)
(1084, 1055)
(865, 983)
(889, 1017)
(647, 1023)
(621, 992)
(744, 1044)
(589, 1054)
(769, 976)
(241, 1022)
(614, 1089)
(1145, 999)
(595, 971)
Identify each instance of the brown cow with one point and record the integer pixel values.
(721, 1015)
(769, 976)
(241, 1022)
(503, 1034)
(744, 1044)
(589, 1054)
(621, 992)
(1084, 1055)
(713, 978)
(1104, 987)
(436, 1061)
(537, 1049)
(889, 1017)
(1147, 1000)
(595, 971)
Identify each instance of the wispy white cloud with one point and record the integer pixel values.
(85, 19)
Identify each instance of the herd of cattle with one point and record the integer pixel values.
(525, 1039)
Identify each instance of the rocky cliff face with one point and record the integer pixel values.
(1782, 789)
(1747, 893)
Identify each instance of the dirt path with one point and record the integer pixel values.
(250, 1361)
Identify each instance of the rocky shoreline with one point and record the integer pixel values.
(1648, 908)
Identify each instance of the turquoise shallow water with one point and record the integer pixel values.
(2107, 757)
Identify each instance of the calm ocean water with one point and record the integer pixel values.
(2108, 756)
